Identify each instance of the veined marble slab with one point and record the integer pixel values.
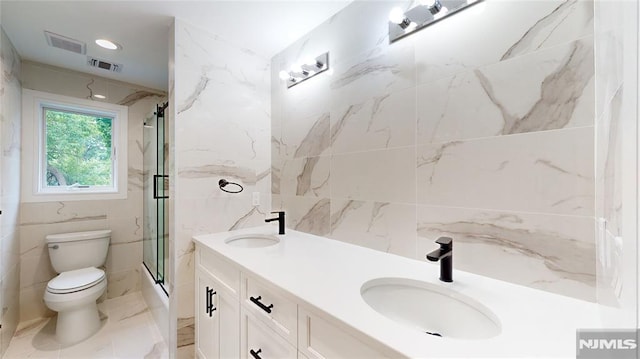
(544, 172)
(372, 74)
(382, 176)
(545, 90)
(549, 252)
(386, 121)
(305, 137)
(306, 214)
(387, 227)
(306, 177)
(494, 31)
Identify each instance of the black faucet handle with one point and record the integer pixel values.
(445, 242)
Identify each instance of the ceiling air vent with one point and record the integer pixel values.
(65, 43)
(101, 64)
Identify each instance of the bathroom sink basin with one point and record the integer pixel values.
(430, 308)
(252, 240)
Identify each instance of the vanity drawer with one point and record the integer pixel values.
(271, 307)
(220, 268)
(260, 342)
(320, 339)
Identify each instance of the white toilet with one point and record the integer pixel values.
(73, 293)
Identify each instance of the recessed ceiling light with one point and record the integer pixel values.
(102, 97)
(108, 44)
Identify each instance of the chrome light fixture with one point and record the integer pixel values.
(426, 13)
(434, 6)
(307, 69)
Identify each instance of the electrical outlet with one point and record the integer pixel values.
(256, 198)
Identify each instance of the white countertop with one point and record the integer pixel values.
(328, 275)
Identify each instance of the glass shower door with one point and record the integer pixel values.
(156, 184)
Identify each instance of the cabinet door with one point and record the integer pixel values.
(229, 325)
(217, 320)
(207, 321)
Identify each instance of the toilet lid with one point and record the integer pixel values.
(75, 280)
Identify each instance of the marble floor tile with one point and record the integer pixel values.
(128, 331)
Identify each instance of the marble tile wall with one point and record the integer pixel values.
(124, 217)
(479, 127)
(221, 125)
(10, 113)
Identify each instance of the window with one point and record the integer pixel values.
(75, 148)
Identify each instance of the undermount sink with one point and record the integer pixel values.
(252, 240)
(430, 308)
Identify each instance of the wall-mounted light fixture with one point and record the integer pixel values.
(426, 13)
(305, 70)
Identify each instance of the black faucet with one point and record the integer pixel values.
(280, 220)
(445, 255)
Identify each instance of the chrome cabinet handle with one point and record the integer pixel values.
(257, 302)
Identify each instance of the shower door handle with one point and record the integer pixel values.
(164, 179)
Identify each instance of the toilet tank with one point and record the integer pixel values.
(69, 251)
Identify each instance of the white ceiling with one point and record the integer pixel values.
(141, 27)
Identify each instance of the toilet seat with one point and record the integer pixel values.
(75, 280)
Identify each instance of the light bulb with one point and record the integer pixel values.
(110, 45)
(296, 68)
(284, 75)
(396, 16)
(310, 61)
(428, 3)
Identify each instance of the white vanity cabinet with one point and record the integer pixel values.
(217, 310)
(256, 319)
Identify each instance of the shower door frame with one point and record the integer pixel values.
(159, 195)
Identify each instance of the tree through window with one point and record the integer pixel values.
(78, 149)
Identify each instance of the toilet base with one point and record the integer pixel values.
(78, 316)
(77, 324)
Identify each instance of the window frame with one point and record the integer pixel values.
(34, 161)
